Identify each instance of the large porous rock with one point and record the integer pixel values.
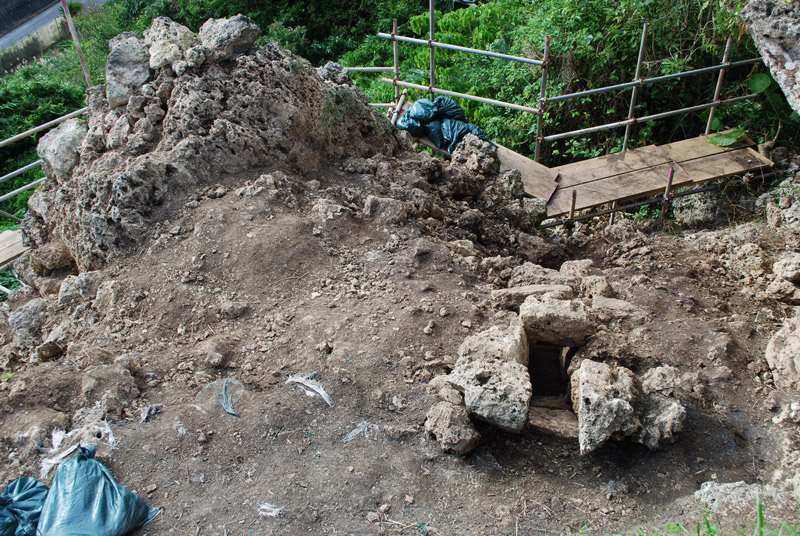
(27, 321)
(266, 109)
(52, 256)
(513, 297)
(59, 149)
(662, 418)
(167, 41)
(603, 399)
(783, 354)
(786, 285)
(698, 210)
(534, 248)
(384, 209)
(508, 343)
(535, 274)
(476, 155)
(226, 37)
(775, 28)
(495, 390)
(76, 289)
(127, 68)
(737, 500)
(553, 321)
(111, 385)
(450, 425)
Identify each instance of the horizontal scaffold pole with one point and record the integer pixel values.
(47, 125)
(457, 48)
(462, 96)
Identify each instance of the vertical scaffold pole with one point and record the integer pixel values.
(74, 34)
(636, 89)
(718, 89)
(430, 46)
(396, 72)
(542, 98)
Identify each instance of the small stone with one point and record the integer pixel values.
(427, 330)
(201, 437)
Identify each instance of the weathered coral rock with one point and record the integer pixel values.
(783, 354)
(27, 320)
(509, 298)
(384, 209)
(450, 425)
(553, 321)
(225, 37)
(111, 385)
(557, 422)
(59, 148)
(603, 399)
(775, 27)
(167, 41)
(495, 390)
(127, 68)
(508, 343)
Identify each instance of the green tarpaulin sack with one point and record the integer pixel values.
(454, 131)
(85, 500)
(20, 507)
(446, 108)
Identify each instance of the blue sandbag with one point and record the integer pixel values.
(86, 500)
(446, 108)
(413, 126)
(422, 110)
(433, 130)
(20, 506)
(454, 131)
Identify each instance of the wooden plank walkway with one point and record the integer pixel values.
(643, 172)
(10, 246)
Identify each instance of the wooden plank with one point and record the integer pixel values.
(10, 246)
(538, 180)
(610, 165)
(699, 147)
(652, 181)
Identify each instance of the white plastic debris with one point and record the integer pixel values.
(311, 386)
(90, 429)
(368, 429)
(269, 510)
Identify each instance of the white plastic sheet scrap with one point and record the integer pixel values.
(368, 429)
(266, 509)
(311, 386)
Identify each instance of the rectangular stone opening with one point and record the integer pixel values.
(548, 368)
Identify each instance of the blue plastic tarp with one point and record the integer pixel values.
(20, 506)
(86, 500)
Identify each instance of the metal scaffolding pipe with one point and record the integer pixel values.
(636, 89)
(25, 188)
(697, 108)
(45, 126)
(542, 98)
(368, 69)
(462, 49)
(626, 85)
(78, 48)
(396, 56)
(653, 117)
(10, 216)
(432, 38)
(399, 108)
(382, 104)
(20, 171)
(463, 96)
(718, 89)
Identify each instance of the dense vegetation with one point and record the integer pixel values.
(594, 43)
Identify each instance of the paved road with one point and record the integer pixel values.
(39, 21)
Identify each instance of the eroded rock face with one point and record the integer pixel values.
(225, 37)
(177, 133)
(59, 149)
(495, 390)
(775, 27)
(783, 354)
(111, 385)
(127, 68)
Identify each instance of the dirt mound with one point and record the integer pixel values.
(273, 316)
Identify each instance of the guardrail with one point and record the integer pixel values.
(635, 85)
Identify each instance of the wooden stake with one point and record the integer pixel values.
(74, 34)
(572, 204)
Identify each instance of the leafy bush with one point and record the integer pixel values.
(593, 44)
